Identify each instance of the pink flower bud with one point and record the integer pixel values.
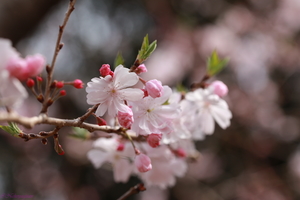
(35, 64)
(181, 152)
(78, 84)
(105, 70)
(30, 83)
(59, 84)
(142, 163)
(125, 118)
(120, 147)
(141, 69)
(62, 93)
(154, 88)
(154, 139)
(39, 79)
(17, 68)
(219, 88)
(101, 121)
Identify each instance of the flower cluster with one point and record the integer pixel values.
(167, 121)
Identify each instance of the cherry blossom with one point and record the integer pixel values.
(209, 107)
(12, 92)
(152, 116)
(111, 92)
(107, 150)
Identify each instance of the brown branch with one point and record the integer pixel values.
(30, 122)
(134, 190)
(90, 112)
(57, 49)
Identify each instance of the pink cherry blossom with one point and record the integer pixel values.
(35, 65)
(111, 92)
(12, 92)
(125, 118)
(143, 163)
(154, 88)
(105, 70)
(219, 88)
(141, 69)
(154, 139)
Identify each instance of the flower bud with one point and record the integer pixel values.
(120, 147)
(62, 93)
(78, 84)
(125, 118)
(30, 83)
(35, 64)
(154, 139)
(219, 88)
(142, 163)
(105, 70)
(17, 68)
(141, 69)
(59, 84)
(100, 121)
(154, 88)
(180, 152)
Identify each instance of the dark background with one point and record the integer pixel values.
(256, 158)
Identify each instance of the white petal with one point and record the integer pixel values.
(122, 170)
(102, 108)
(123, 78)
(207, 122)
(97, 157)
(222, 116)
(131, 94)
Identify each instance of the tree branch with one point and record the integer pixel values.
(134, 190)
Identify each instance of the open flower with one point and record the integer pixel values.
(111, 92)
(12, 92)
(209, 107)
(152, 116)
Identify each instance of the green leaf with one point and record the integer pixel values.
(12, 129)
(146, 49)
(181, 88)
(215, 64)
(80, 133)
(119, 60)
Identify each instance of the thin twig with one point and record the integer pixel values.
(134, 190)
(57, 49)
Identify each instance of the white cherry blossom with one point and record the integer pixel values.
(111, 92)
(152, 116)
(209, 107)
(106, 151)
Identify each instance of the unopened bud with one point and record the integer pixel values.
(62, 93)
(141, 69)
(78, 84)
(59, 84)
(125, 118)
(143, 163)
(39, 79)
(100, 121)
(154, 139)
(44, 141)
(120, 147)
(154, 88)
(105, 70)
(30, 83)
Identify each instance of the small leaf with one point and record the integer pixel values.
(146, 49)
(150, 50)
(80, 133)
(119, 60)
(12, 129)
(181, 88)
(215, 64)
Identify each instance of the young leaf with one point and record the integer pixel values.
(119, 60)
(215, 64)
(80, 133)
(146, 49)
(12, 129)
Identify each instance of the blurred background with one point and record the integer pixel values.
(256, 158)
